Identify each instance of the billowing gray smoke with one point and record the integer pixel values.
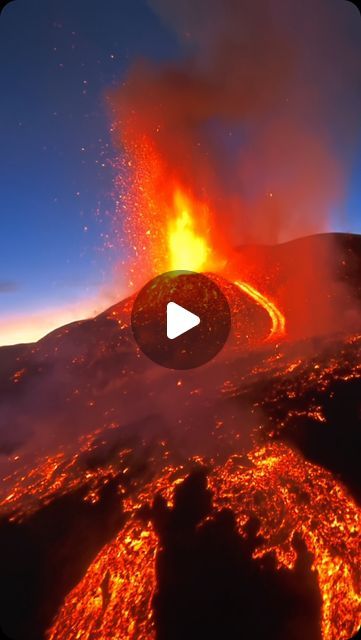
(260, 112)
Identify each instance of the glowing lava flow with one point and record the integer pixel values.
(189, 250)
(300, 497)
(114, 599)
(31, 487)
(278, 321)
(287, 494)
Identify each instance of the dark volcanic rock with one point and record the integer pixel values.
(88, 378)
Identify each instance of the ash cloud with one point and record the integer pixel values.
(260, 114)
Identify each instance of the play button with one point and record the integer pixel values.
(181, 319)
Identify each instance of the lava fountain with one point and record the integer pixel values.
(187, 249)
(170, 229)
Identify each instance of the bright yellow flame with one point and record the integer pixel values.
(187, 249)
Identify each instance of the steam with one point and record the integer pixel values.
(261, 112)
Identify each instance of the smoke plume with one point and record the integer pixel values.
(259, 114)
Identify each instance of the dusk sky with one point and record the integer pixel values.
(58, 60)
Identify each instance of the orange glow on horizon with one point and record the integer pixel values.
(34, 325)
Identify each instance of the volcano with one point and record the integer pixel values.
(143, 503)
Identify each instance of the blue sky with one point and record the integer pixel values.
(58, 61)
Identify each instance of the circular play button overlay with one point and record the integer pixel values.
(181, 319)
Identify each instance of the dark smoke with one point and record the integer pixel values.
(260, 114)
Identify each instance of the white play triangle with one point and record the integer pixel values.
(179, 320)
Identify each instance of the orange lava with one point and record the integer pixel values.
(168, 228)
(300, 497)
(287, 494)
(114, 599)
(32, 486)
(188, 246)
(278, 320)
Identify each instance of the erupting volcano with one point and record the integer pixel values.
(144, 503)
(259, 425)
(170, 230)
